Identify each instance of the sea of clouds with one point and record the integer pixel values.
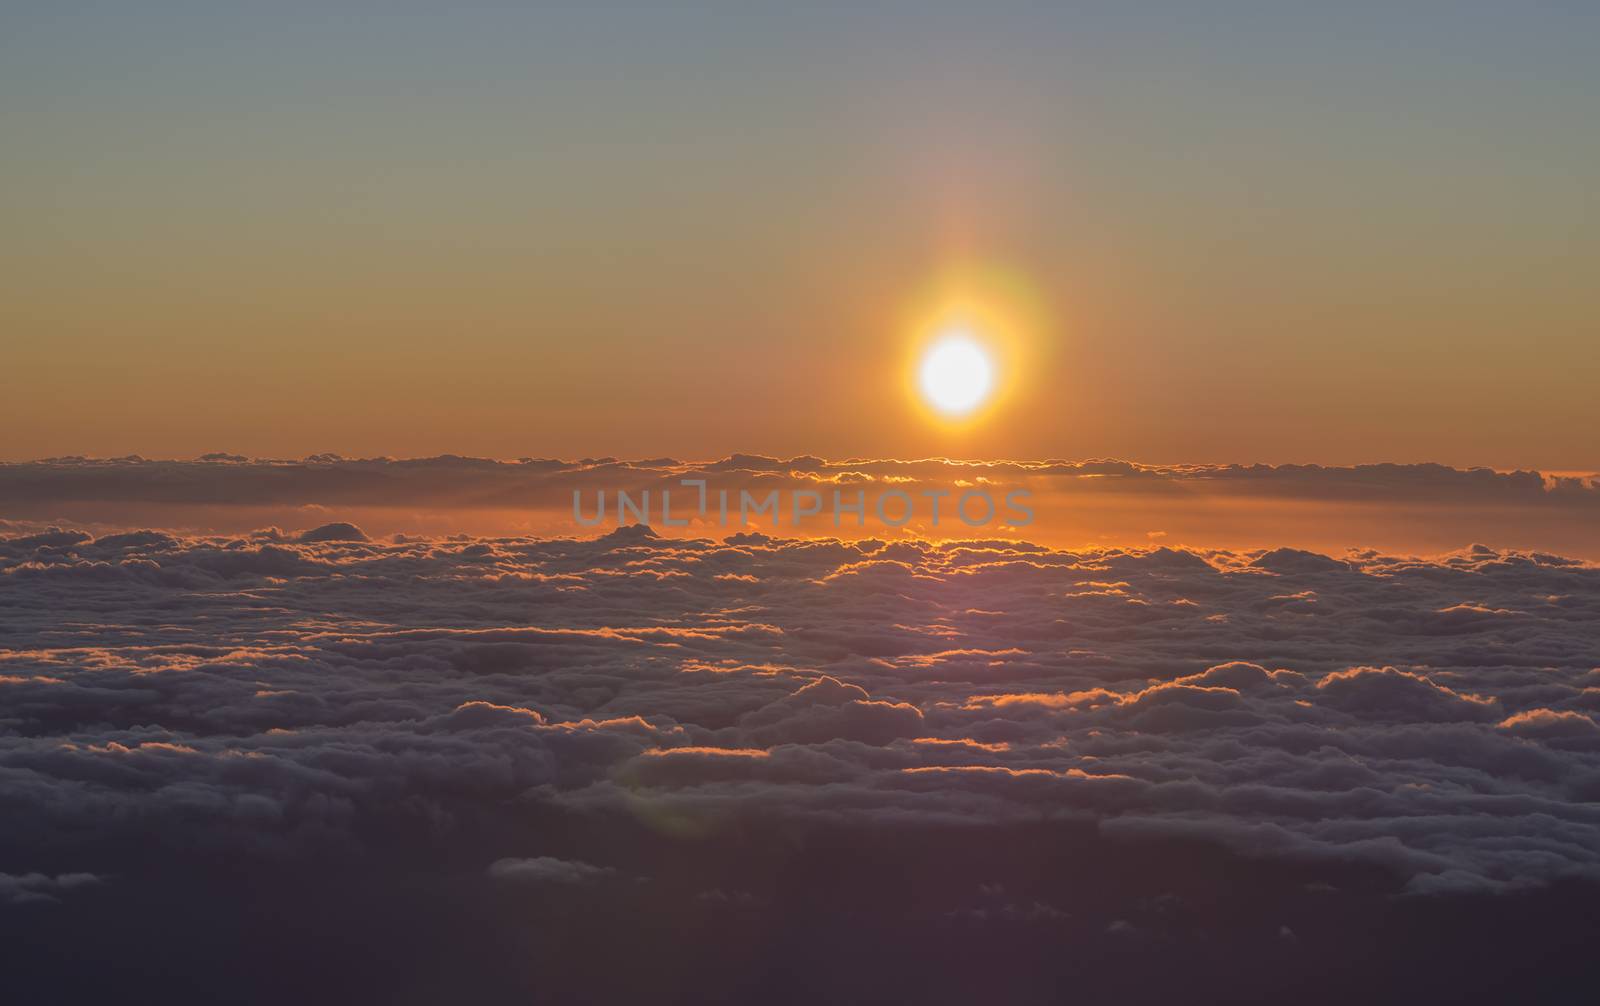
(634, 718)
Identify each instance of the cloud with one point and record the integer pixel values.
(827, 708)
(1311, 507)
(719, 713)
(321, 680)
(547, 870)
(1557, 726)
(337, 531)
(1380, 693)
(36, 888)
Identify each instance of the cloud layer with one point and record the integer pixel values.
(1420, 727)
(1399, 507)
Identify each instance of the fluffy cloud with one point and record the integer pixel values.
(547, 870)
(38, 887)
(289, 687)
(459, 707)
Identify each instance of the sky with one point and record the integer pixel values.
(325, 327)
(1255, 233)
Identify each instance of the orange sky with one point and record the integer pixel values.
(494, 235)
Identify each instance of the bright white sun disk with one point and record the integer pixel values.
(956, 374)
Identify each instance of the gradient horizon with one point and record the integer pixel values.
(1309, 236)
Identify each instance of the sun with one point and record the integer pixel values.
(956, 374)
(969, 341)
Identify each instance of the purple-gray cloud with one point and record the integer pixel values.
(1396, 507)
(1291, 704)
(461, 709)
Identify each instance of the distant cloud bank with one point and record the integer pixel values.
(1420, 507)
(464, 481)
